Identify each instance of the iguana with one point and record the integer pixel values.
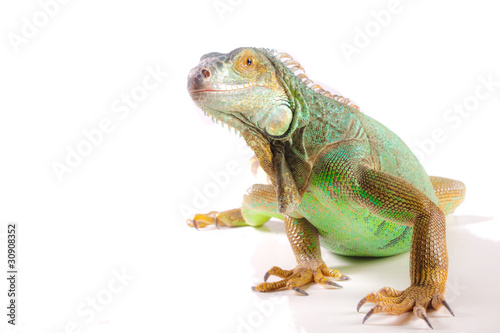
(337, 176)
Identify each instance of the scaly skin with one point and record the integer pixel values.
(337, 176)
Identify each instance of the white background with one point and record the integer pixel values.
(122, 209)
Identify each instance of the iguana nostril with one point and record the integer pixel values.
(205, 73)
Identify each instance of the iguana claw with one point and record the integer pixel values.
(427, 321)
(422, 314)
(447, 306)
(360, 304)
(368, 315)
(372, 311)
(416, 298)
(300, 291)
(333, 284)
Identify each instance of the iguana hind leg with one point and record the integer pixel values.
(450, 193)
(393, 199)
(397, 200)
(259, 205)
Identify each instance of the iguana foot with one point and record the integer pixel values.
(416, 298)
(202, 220)
(228, 218)
(300, 276)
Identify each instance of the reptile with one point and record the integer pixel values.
(338, 178)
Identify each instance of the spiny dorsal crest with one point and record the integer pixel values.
(299, 71)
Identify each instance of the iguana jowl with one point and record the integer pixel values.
(337, 176)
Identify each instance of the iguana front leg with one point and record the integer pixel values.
(342, 177)
(259, 205)
(396, 200)
(304, 239)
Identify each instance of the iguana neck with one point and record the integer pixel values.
(329, 121)
(318, 121)
(323, 122)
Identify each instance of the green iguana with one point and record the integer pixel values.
(337, 176)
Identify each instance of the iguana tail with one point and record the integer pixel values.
(450, 193)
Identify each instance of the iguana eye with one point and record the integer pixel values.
(248, 62)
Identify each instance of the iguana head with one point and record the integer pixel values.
(281, 113)
(243, 90)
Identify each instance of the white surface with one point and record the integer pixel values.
(122, 209)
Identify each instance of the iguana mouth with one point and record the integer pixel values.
(214, 90)
(222, 88)
(204, 90)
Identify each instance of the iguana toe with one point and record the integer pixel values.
(416, 298)
(203, 220)
(228, 218)
(298, 277)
